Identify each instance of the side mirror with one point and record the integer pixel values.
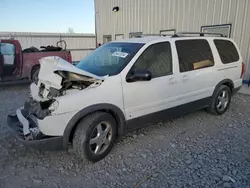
(139, 75)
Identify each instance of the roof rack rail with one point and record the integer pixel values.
(202, 34)
(146, 35)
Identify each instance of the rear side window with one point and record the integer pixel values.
(194, 54)
(227, 51)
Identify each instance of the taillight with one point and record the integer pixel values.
(69, 58)
(242, 70)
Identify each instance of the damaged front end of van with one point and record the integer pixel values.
(33, 123)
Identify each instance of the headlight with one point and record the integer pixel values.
(54, 106)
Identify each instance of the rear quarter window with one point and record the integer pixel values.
(227, 51)
(194, 54)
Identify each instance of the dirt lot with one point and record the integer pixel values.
(197, 150)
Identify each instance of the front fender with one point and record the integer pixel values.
(115, 111)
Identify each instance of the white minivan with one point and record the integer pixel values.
(124, 85)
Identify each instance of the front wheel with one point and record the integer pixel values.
(221, 100)
(95, 136)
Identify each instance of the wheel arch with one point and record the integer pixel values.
(212, 108)
(115, 111)
(227, 82)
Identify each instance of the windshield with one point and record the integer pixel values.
(110, 58)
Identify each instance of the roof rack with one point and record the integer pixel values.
(202, 34)
(146, 35)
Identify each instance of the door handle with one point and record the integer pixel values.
(184, 78)
(172, 81)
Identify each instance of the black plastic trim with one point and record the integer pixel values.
(112, 109)
(224, 82)
(168, 113)
(236, 90)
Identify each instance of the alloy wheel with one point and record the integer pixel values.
(100, 138)
(222, 100)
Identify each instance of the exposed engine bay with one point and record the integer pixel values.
(58, 77)
(71, 82)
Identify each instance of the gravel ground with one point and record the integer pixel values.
(197, 150)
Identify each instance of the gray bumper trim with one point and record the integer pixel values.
(24, 122)
(46, 143)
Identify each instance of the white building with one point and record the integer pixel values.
(117, 19)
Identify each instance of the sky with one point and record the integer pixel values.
(47, 16)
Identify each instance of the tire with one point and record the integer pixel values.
(87, 131)
(34, 76)
(220, 104)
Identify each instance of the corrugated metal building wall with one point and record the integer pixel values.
(151, 16)
(79, 44)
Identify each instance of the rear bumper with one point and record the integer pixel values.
(44, 143)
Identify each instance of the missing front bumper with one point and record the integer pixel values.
(42, 143)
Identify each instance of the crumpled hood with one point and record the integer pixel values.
(63, 65)
(60, 64)
(51, 65)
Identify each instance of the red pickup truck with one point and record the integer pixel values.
(18, 65)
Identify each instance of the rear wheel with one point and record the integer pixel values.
(221, 100)
(95, 136)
